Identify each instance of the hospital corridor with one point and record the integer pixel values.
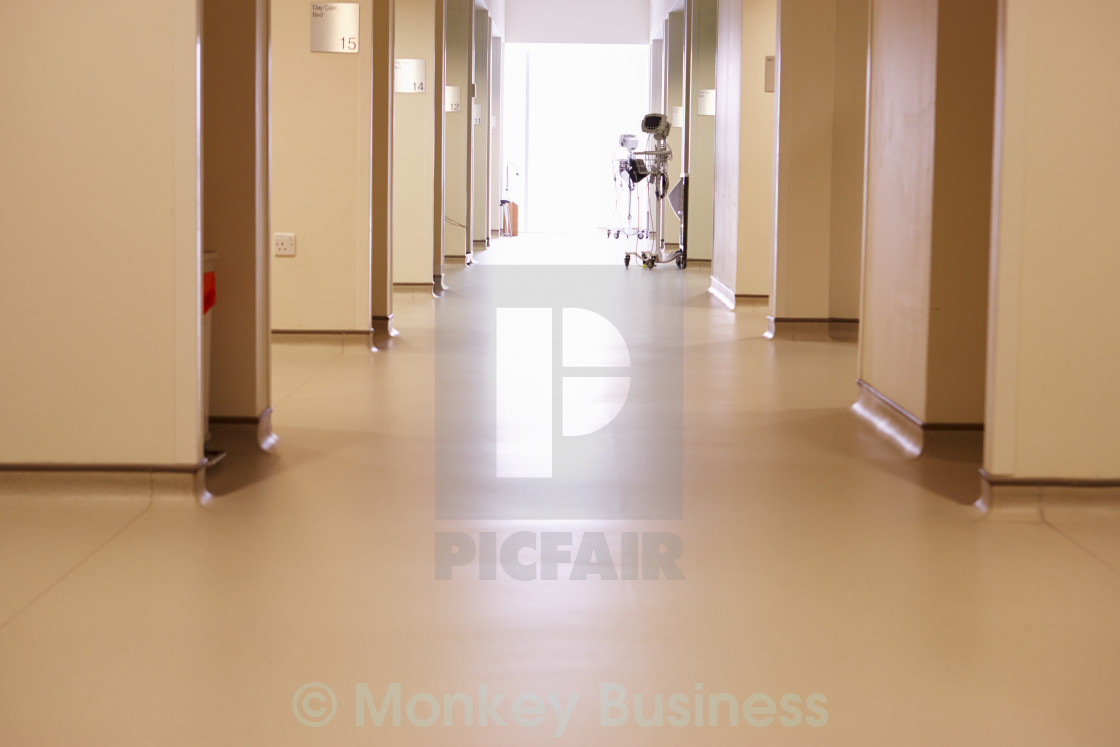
(519, 372)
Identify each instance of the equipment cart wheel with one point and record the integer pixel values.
(616, 234)
(649, 263)
(682, 262)
(626, 261)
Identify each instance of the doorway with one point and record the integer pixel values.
(566, 106)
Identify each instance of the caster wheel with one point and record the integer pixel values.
(626, 260)
(682, 262)
(649, 263)
(608, 233)
(616, 234)
(641, 235)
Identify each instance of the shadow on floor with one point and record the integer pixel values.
(948, 467)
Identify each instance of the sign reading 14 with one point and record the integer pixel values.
(409, 76)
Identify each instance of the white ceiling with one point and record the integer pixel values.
(578, 21)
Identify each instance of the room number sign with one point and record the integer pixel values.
(409, 76)
(334, 27)
(453, 99)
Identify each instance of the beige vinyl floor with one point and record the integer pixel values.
(834, 592)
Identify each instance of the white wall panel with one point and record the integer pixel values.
(578, 21)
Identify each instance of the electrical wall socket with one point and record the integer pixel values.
(285, 244)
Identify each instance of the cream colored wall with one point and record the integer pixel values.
(674, 76)
(235, 201)
(100, 287)
(803, 187)
(460, 15)
(725, 193)
(701, 161)
(657, 75)
(961, 230)
(497, 176)
(1052, 408)
(437, 86)
(848, 138)
(822, 81)
(895, 314)
(381, 135)
(929, 172)
(756, 150)
(413, 150)
(321, 111)
(480, 218)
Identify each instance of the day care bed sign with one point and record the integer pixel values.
(706, 103)
(334, 27)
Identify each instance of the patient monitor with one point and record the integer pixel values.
(636, 167)
(657, 125)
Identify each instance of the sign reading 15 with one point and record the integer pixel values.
(350, 43)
